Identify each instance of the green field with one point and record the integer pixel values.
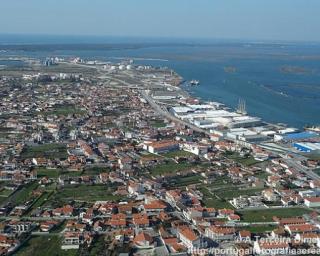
(50, 173)
(87, 193)
(236, 192)
(98, 247)
(95, 170)
(170, 167)
(158, 123)
(55, 173)
(266, 215)
(242, 160)
(51, 151)
(211, 200)
(313, 156)
(317, 171)
(260, 229)
(3, 200)
(220, 181)
(24, 194)
(185, 181)
(65, 111)
(41, 200)
(262, 175)
(178, 153)
(5, 192)
(45, 245)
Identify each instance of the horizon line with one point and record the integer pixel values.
(170, 39)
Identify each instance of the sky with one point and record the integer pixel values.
(296, 20)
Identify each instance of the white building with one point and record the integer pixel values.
(220, 233)
(312, 201)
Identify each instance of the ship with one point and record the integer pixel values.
(194, 82)
(242, 107)
(313, 128)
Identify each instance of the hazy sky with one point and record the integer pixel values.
(237, 19)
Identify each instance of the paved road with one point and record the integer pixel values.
(301, 168)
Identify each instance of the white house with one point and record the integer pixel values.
(312, 201)
(270, 248)
(220, 233)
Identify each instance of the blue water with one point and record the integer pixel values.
(12, 63)
(289, 97)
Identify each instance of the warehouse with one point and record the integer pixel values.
(307, 147)
(180, 111)
(298, 136)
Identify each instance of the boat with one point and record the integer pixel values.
(312, 128)
(194, 82)
(241, 109)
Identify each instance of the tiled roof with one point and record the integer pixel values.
(188, 233)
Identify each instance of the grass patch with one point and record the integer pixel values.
(42, 199)
(262, 175)
(50, 173)
(24, 194)
(170, 167)
(99, 246)
(315, 157)
(235, 192)
(55, 173)
(51, 151)
(266, 215)
(220, 181)
(87, 193)
(260, 229)
(317, 171)
(95, 170)
(185, 181)
(44, 245)
(59, 228)
(210, 200)
(248, 161)
(178, 153)
(5, 192)
(158, 123)
(65, 110)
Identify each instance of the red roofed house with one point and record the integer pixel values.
(199, 212)
(8, 243)
(173, 245)
(163, 146)
(46, 226)
(245, 235)
(140, 220)
(312, 201)
(144, 241)
(289, 221)
(118, 220)
(66, 210)
(301, 228)
(188, 237)
(224, 213)
(154, 207)
(234, 217)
